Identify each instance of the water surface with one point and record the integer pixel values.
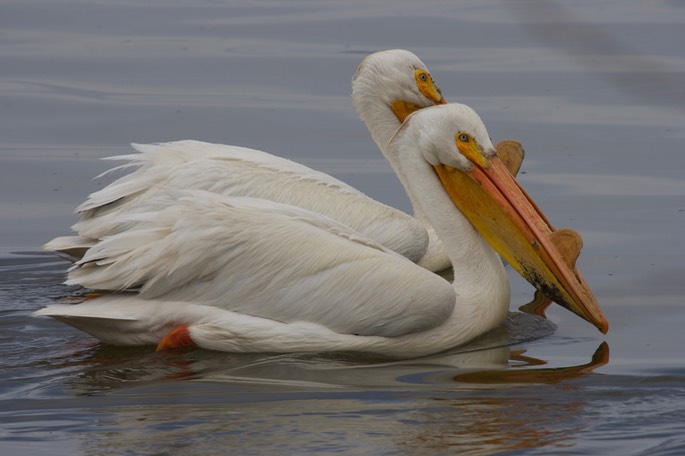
(593, 91)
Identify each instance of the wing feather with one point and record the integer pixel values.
(264, 259)
(238, 171)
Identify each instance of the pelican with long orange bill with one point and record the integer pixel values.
(249, 275)
(517, 229)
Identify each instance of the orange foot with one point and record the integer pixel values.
(176, 338)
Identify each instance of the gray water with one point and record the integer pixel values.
(594, 90)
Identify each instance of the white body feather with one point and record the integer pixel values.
(252, 256)
(238, 171)
(251, 275)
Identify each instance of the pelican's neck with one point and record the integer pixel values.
(480, 281)
(382, 123)
(379, 119)
(373, 107)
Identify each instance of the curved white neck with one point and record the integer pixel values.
(480, 280)
(380, 120)
(374, 110)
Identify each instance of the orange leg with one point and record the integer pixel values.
(176, 338)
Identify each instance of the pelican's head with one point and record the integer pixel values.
(453, 139)
(387, 87)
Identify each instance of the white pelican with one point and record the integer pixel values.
(386, 88)
(247, 275)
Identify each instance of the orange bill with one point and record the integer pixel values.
(504, 214)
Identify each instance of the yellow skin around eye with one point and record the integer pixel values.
(428, 87)
(470, 149)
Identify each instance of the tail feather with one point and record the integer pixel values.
(113, 324)
(126, 319)
(73, 248)
(153, 162)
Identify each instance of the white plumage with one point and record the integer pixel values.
(237, 171)
(253, 275)
(260, 258)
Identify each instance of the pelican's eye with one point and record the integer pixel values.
(463, 137)
(427, 87)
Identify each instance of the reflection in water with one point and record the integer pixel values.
(549, 375)
(483, 425)
(330, 410)
(111, 368)
(488, 423)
